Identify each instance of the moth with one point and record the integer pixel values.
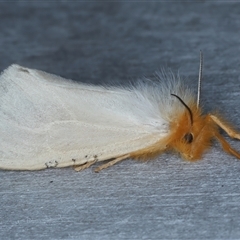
(48, 121)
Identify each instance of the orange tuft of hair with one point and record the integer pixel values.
(191, 138)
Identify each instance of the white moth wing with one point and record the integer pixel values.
(48, 121)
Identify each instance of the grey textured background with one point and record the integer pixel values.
(111, 43)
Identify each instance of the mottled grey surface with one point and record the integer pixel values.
(111, 42)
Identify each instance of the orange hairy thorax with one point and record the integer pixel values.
(191, 138)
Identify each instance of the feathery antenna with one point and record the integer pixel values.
(200, 78)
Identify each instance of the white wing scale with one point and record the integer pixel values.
(48, 121)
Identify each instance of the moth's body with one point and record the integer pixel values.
(48, 121)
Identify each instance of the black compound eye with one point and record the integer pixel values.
(188, 137)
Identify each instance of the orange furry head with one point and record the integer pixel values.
(193, 133)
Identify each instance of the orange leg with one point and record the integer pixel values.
(228, 129)
(226, 147)
(111, 163)
(84, 166)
